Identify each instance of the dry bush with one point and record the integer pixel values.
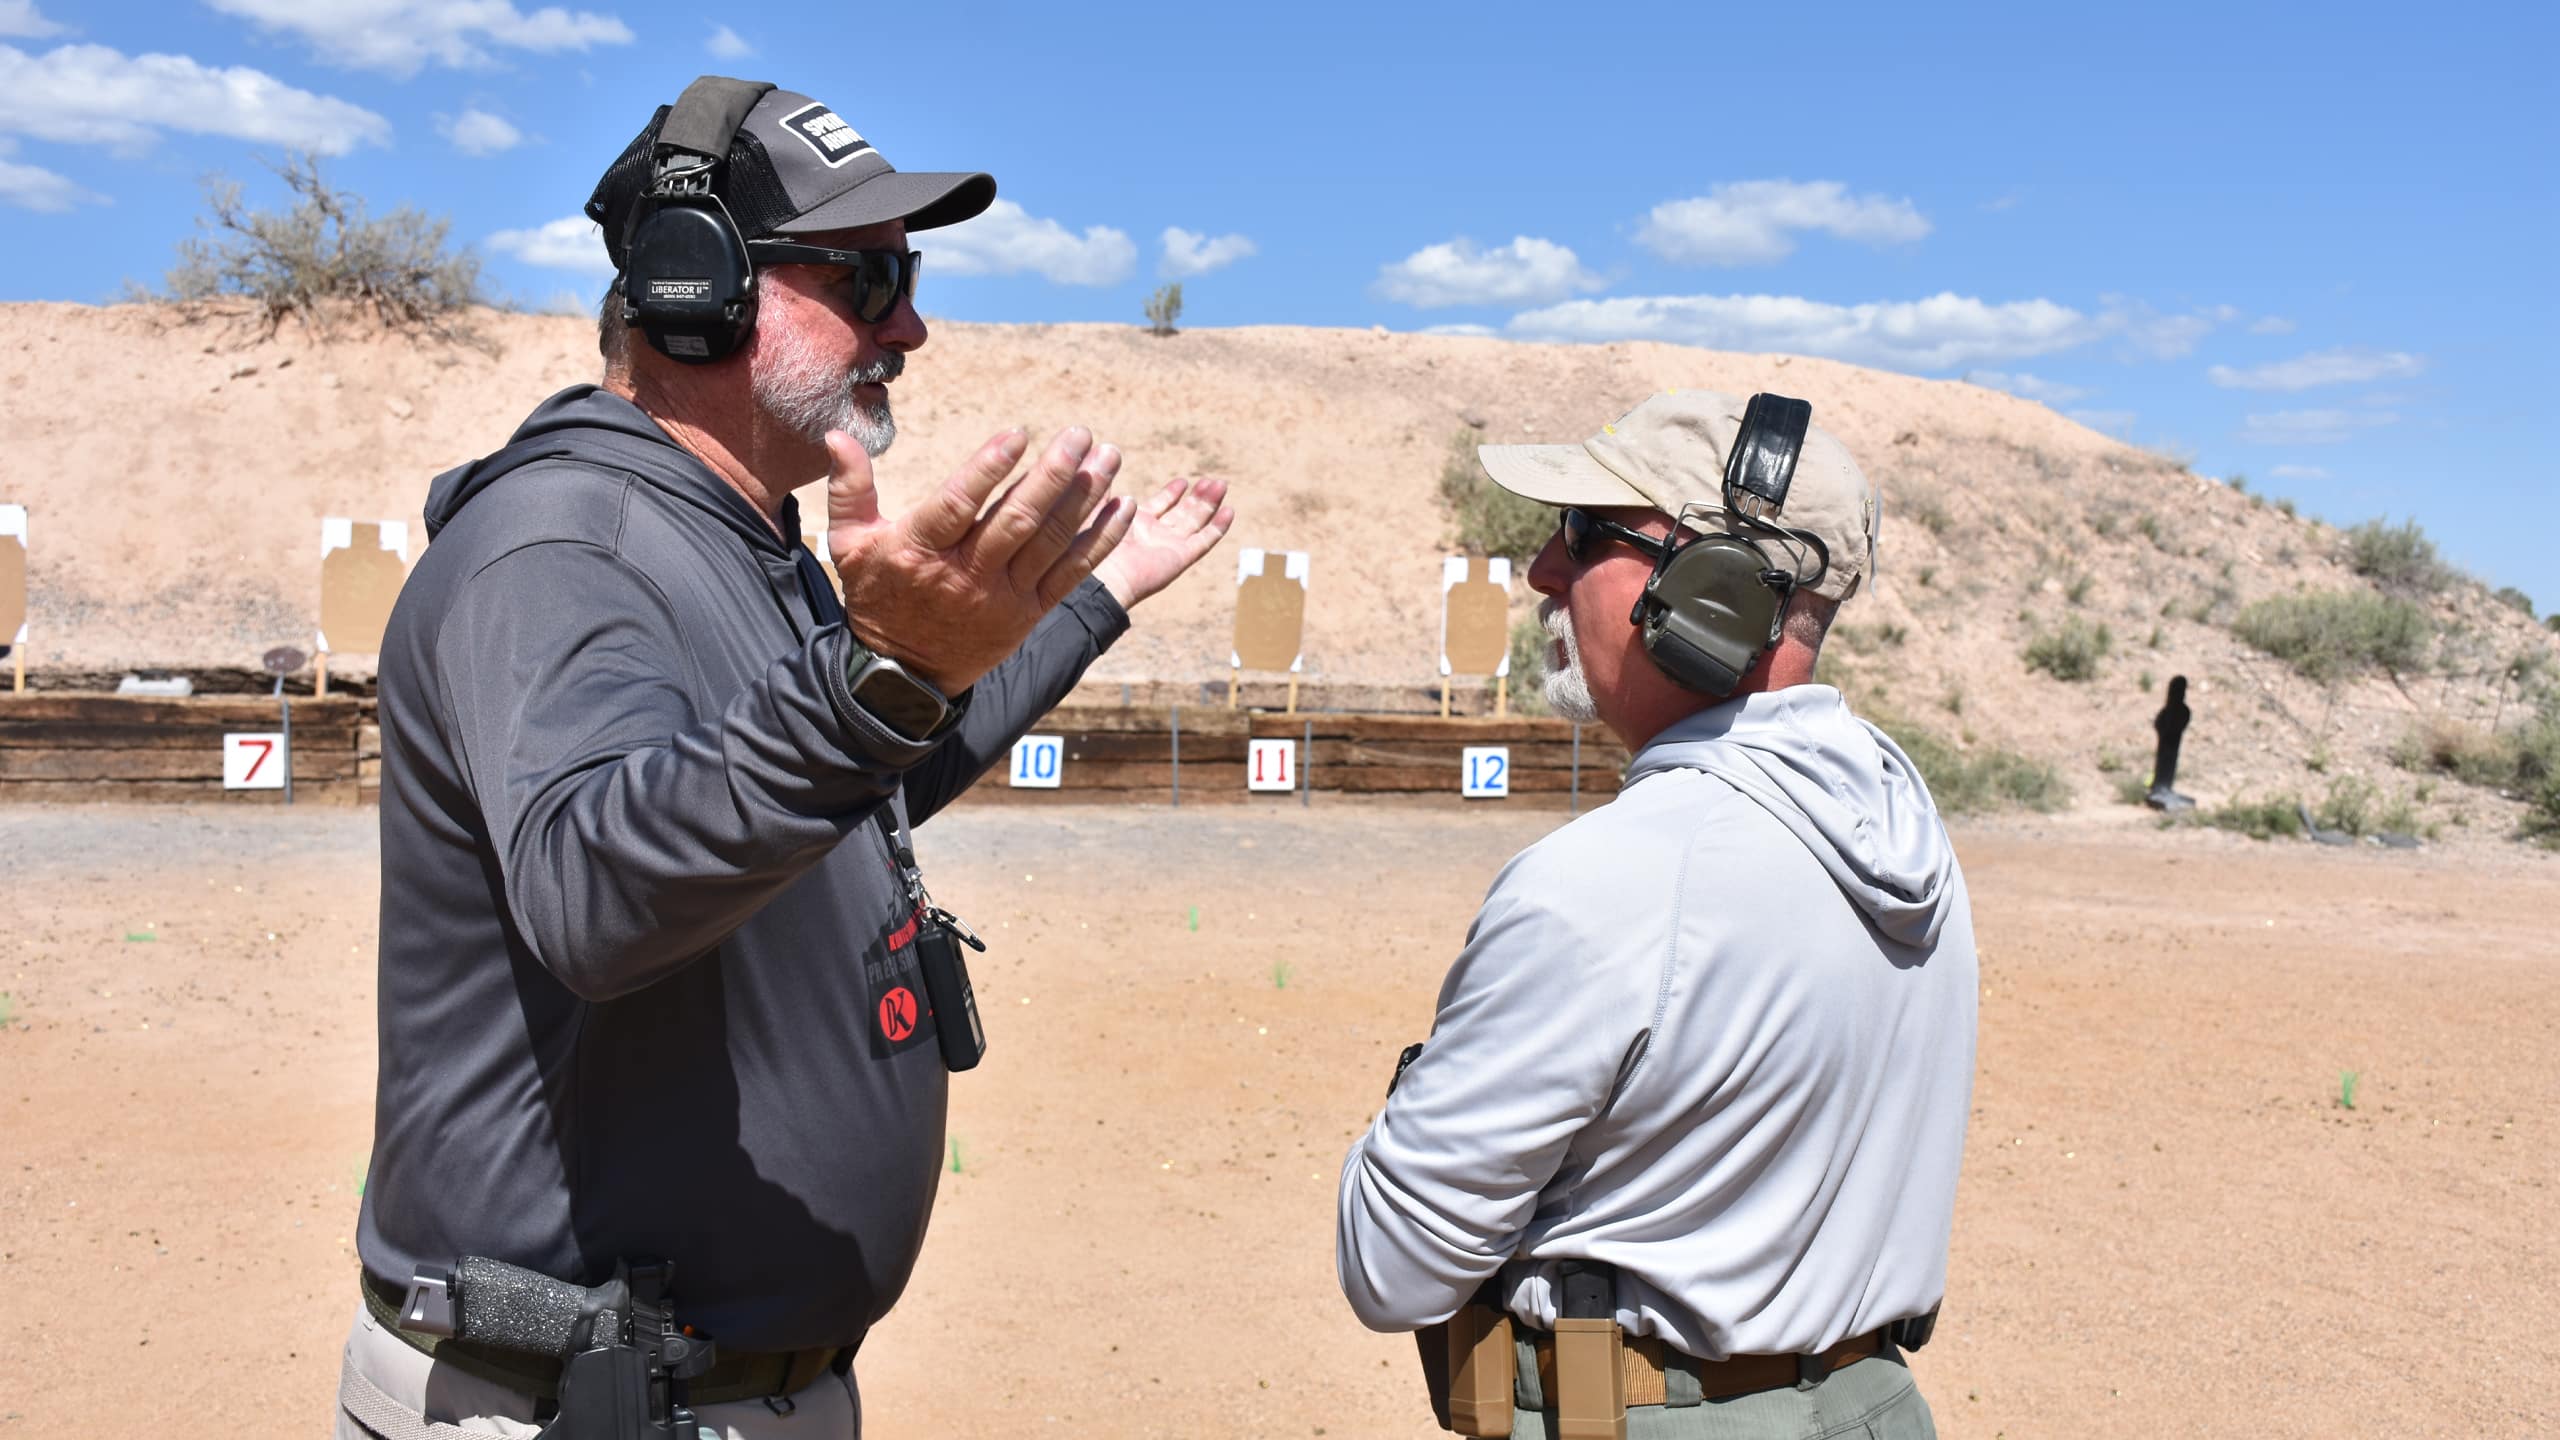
(2330, 634)
(326, 255)
(1490, 518)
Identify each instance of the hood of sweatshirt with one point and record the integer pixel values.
(592, 425)
(1841, 785)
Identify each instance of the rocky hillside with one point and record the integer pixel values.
(175, 474)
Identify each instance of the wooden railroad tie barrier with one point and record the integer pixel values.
(57, 747)
(120, 747)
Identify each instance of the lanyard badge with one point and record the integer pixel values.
(940, 961)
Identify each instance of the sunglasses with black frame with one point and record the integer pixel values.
(1580, 528)
(880, 277)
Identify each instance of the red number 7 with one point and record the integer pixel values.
(265, 748)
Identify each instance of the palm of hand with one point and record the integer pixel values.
(1173, 528)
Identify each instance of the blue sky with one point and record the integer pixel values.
(2306, 244)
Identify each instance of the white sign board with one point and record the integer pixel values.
(253, 762)
(1488, 773)
(1037, 760)
(1271, 765)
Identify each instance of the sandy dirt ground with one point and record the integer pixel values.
(2168, 1223)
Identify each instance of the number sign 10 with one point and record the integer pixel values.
(1488, 772)
(1271, 765)
(253, 762)
(1037, 761)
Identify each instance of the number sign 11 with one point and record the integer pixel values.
(1488, 773)
(253, 762)
(1271, 765)
(1037, 761)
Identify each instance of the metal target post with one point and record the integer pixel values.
(1306, 766)
(1177, 757)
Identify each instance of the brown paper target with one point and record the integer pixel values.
(1271, 609)
(1475, 616)
(361, 571)
(13, 575)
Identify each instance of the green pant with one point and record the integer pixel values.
(1873, 1399)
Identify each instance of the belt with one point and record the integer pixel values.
(1644, 1358)
(736, 1375)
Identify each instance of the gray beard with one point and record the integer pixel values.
(1566, 688)
(802, 395)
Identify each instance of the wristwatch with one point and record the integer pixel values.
(894, 695)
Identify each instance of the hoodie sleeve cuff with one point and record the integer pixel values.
(1095, 608)
(867, 735)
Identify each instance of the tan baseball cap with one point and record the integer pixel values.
(1670, 451)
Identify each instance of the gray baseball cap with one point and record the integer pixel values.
(795, 168)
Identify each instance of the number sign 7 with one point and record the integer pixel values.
(253, 762)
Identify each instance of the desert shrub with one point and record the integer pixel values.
(1985, 778)
(2104, 523)
(2515, 599)
(1865, 638)
(327, 253)
(1931, 515)
(2152, 530)
(1163, 308)
(2328, 634)
(2239, 484)
(1529, 648)
(2348, 806)
(2551, 622)
(2072, 652)
(1489, 517)
(2398, 556)
(2259, 819)
(2078, 594)
(2284, 507)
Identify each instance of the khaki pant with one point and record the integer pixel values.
(1873, 1399)
(828, 1408)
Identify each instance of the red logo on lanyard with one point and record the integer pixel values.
(898, 1014)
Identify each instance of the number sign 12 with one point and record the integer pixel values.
(1037, 761)
(253, 762)
(1271, 765)
(1488, 772)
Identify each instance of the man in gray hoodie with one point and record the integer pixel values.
(1704, 1065)
(650, 985)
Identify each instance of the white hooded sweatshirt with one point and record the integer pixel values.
(1718, 1033)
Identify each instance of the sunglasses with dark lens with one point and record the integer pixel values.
(880, 277)
(1582, 529)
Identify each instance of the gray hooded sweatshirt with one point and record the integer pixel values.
(638, 923)
(1717, 1033)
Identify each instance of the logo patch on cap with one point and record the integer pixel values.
(833, 141)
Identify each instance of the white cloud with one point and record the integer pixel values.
(2118, 423)
(477, 132)
(2029, 387)
(2344, 365)
(2271, 325)
(571, 242)
(21, 17)
(1941, 332)
(1187, 253)
(2299, 472)
(399, 37)
(32, 187)
(728, 44)
(1475, 331)
(89, 94)
(2311, 427)
(1528, 271)
(1753, 222)
(2156, 334)
(1006, 240)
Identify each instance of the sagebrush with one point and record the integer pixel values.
(1490, 518)
(327, 254)
(2330, 634)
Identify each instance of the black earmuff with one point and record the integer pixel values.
(686, 281)
(1717, 602)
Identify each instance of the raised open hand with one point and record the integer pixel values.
(1173, 529)
(947, 591)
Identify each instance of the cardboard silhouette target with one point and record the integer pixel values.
(1475, 625)
(362, 567)
(1271, 617)
(13, 592)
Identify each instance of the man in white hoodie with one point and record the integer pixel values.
(1708, 1053)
